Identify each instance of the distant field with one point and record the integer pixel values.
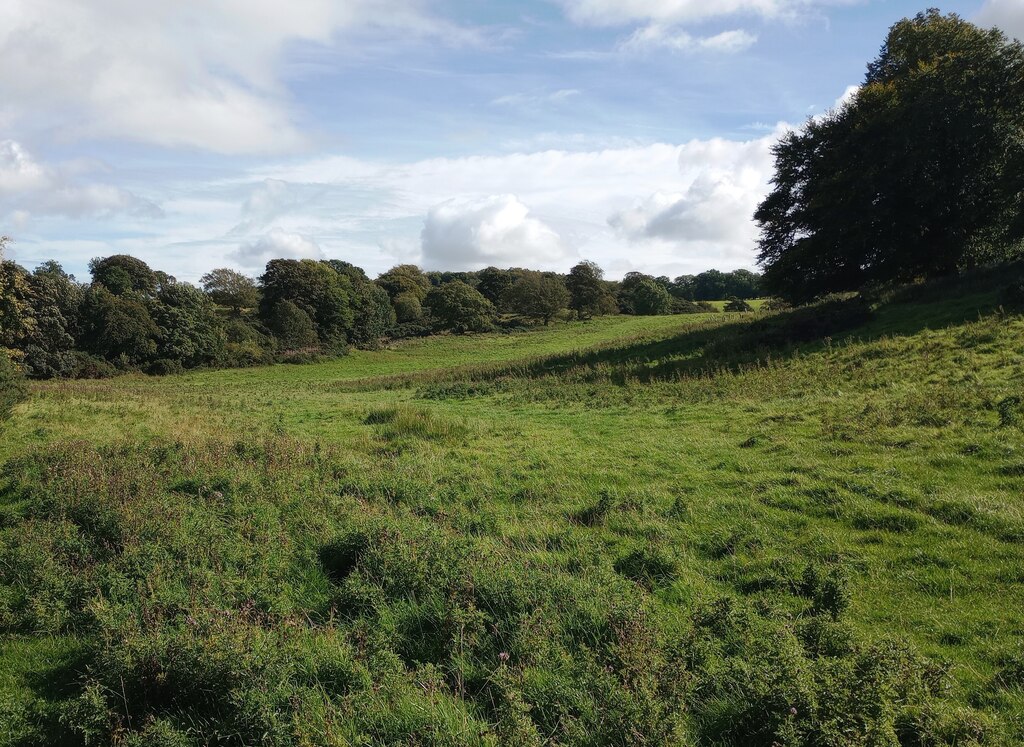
(659, 522)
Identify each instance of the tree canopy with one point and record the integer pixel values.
(917, 175)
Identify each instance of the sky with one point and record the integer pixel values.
(453, 134)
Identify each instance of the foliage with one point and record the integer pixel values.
(643, 295)
(536, 295)
(374, 317)
(316, 288)
(589, 295)
(737, 304)
(12, 386)
(407, 308)
(122, 274)
(118, 328)
(403, 279)
(227, 287)
(914, 177)
(292, 327)
(493, 283)
(713, 285)
(456, 307)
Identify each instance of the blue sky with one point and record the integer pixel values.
(458, 134)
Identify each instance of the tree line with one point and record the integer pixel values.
(920, 174)
(130, 317)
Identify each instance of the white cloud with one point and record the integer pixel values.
(1006, 14)
(495, 230)
(28, 187)
(521, 100)
(277, 244)
(727, 181)
(190, 73)
(656, 36)
(618, 12)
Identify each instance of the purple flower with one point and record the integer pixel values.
(503, 656)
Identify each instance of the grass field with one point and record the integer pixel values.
(669, 530)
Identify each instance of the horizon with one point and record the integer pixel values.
(450, 135)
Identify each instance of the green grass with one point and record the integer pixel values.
(675, 527)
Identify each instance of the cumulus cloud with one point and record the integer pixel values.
(1006, 14)
(277, 244)
(655, 37)
(28, 187)
(191, 73)
(726, 181)
(496, 230)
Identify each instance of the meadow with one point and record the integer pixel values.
(798, 528)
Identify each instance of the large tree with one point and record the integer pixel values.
(588, 292)
(457, 307)
(325, 295)
(227, 287)
(917, 175)
(536, 295)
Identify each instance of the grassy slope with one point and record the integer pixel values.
(898, 450)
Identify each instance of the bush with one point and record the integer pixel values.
(737, 305)
(90, 367)
(165, 367)
(12, 386)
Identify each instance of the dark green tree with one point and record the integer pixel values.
(408, 308)
(121, 274)
(230, 288)
(643, 295)
(292, 327)
(588, 292)
(118, 328)
(374, 314)
(456, 307)
(537, 296)
(405, 279)
(493, 282)
(916, 176)
(191, 333)
(318, 289)
(12, 386)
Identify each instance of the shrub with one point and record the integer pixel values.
(737, 305)
(12, 386)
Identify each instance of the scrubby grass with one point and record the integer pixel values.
(729, 529)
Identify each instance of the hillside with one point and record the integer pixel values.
(797, 528)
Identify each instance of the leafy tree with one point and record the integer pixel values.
(457, 307)
(917, 176)
(315, 287)
(12, 386)
(493, 283)
(121, 274)
(537, 296)
(49, 346)
(407, 308)
(118, 328)
(588, 293)
(405, 279)
(374, 314)
(190, 331)
(643, 295)
(227, 287)
(292, 327)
